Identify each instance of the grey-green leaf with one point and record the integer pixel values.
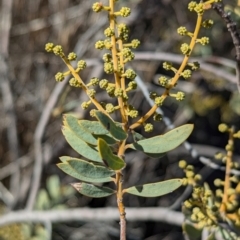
(80, 146)
(86, 172)
(90, 170)
(64, 158)
(93, 191)
(107, 138)
(155, 189)
(111, 160)
(93, 127)
(164, 143)
(73, 124)
(115, 130)
(137, 136)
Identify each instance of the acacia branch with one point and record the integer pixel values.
(45, 117)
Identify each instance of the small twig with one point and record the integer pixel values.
(227, 179)
(208, 162)
(6, 196)
(158, 214)
(232, 28)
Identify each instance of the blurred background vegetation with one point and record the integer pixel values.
(211, 98)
